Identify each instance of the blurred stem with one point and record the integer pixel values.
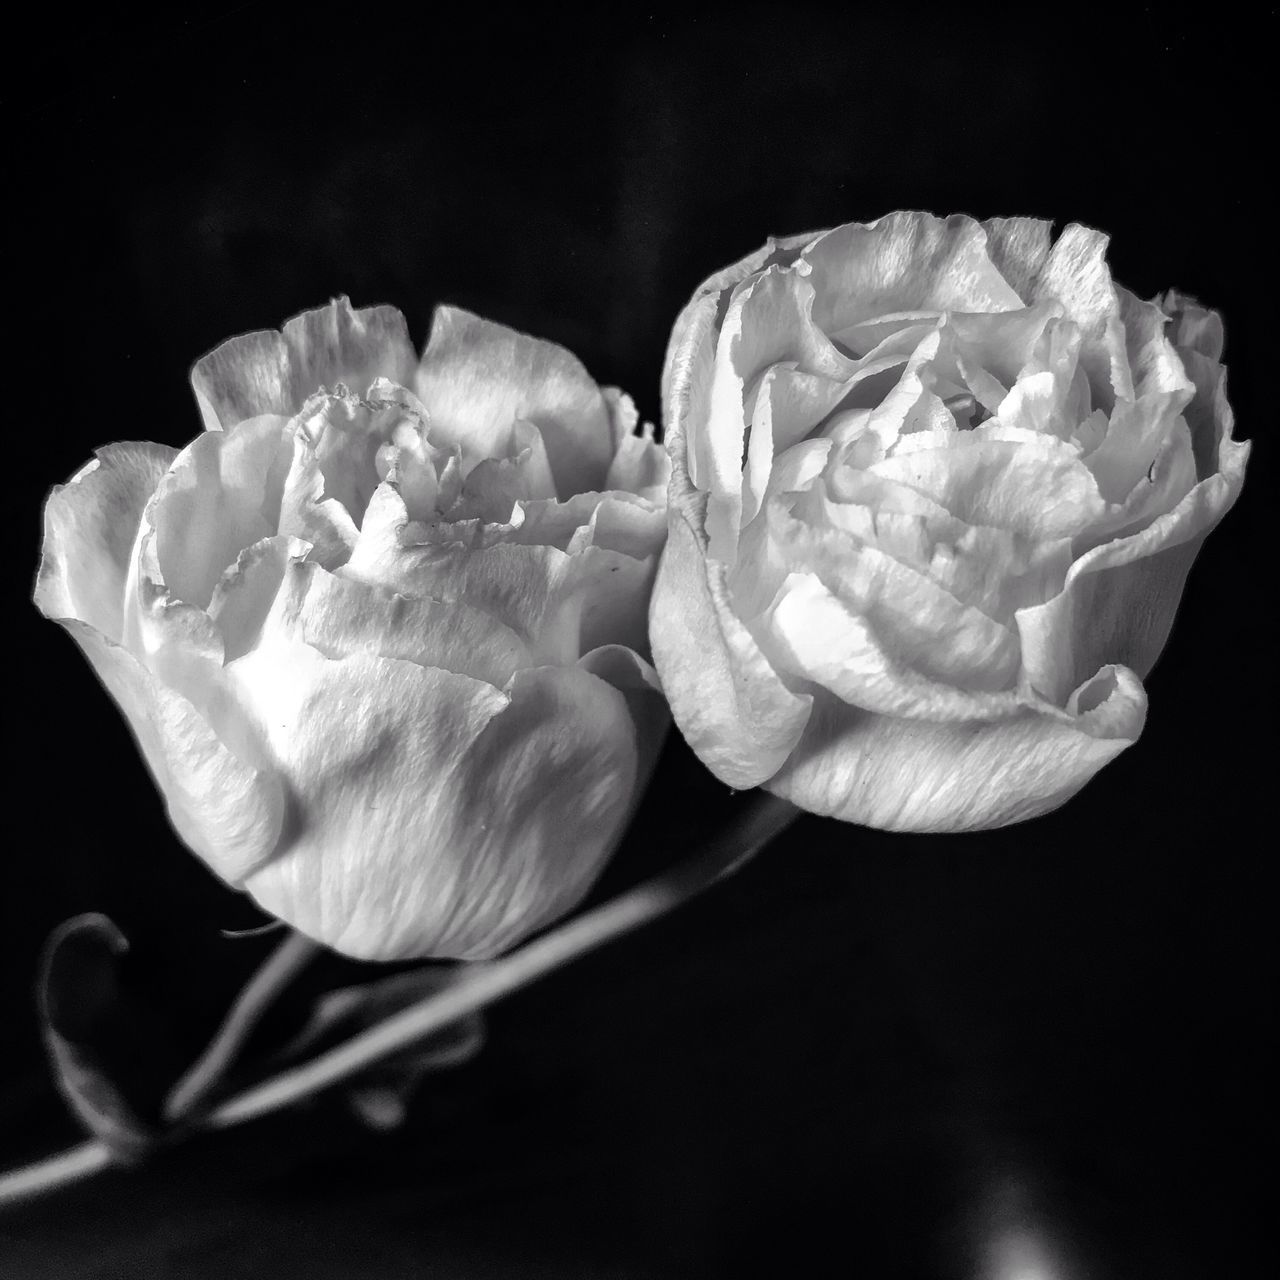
(280, 968)
(763, 818)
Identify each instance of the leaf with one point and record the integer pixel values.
(85, 1025)
(380, 1096)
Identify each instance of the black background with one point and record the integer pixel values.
(867, 1055)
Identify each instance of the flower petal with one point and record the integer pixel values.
(901, 774)
(89, 528)
(1018, 248)
(1119, 599)
(1076, 275)
(638, 682)
(640, 465)
(1035, 486)
(891, 641)
(447, 819)
(270, 372)
(221, 494)
(904, 262)
(339, 616)
(476, 378)
(225, 809)
(732, 707)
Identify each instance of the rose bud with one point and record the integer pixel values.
(936, 488)
(380, 631)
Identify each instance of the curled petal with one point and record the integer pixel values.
(1119, 599)
(243, 599)
(270, 372)
(729, 702)
(221, 494)
(90, 524)
(901, 646)
(637, 681)
(902, 774)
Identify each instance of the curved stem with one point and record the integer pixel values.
(479, 985)
(279, 969)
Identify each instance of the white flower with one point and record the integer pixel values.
(380, 631)
(936, 489)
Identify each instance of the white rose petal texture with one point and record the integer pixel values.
(936, 485)
(380, 631)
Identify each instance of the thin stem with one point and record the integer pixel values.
(57, 1171)
(479, 985)
(279, 969)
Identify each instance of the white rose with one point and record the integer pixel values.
(936, 489)
(380, 631)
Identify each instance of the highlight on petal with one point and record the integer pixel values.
(274, 372)
(477, 378)
(904, 774)
(731, 705)
(90, 524)
(944, 482)
(904, 262)
(449, 818)
(228, 810)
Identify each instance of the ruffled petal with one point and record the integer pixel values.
(90, 524)
(640, 464)
(494, 485)
(270, 372)
(901, 774)
(904, 262)
(339, 616)
(447, 819)
(1076, 275)
(476, 378)
(1018, 248)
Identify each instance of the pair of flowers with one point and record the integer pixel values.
(397, 637)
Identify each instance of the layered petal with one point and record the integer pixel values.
(476, 378)
(90, 524)
(899, 773)
(227, 810)
(904, 262)
(449, 818)
(923, 595)
(274, 372)
(731, 705)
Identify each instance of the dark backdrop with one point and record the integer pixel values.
(868, 1055)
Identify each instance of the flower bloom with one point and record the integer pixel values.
(936, 488)
(380, 630)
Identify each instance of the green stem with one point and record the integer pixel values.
(480, 985)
